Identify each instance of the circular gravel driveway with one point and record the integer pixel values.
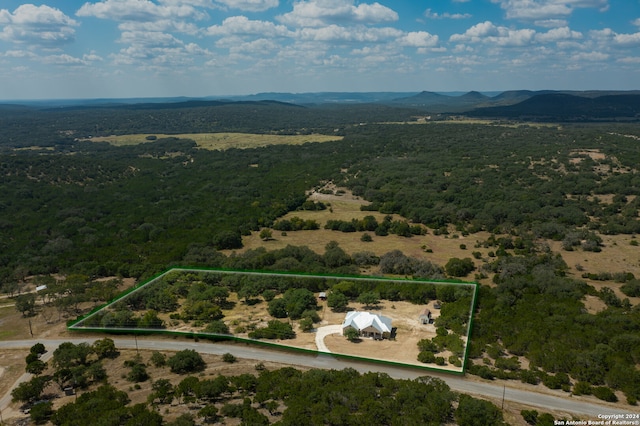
(323, 332)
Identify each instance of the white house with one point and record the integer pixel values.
(368, 324)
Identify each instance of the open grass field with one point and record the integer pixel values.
(347, 207)
(221, 141)
(617, 255)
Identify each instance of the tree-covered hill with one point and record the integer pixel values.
(25, 127)
(567, 107)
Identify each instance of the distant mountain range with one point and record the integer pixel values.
(513, 104)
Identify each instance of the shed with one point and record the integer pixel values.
(425, 316)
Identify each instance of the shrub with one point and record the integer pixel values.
(274, 330)
(186, 361)
(604, 393)
(230, 358)
(158, 359)
(427, 357)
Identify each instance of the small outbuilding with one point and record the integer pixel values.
(322, 295)
(425, 316)
(368, 324)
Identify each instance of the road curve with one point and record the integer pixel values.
(558, 403)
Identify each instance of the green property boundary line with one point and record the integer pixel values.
(75, 325)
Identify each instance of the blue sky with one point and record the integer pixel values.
(147, 48)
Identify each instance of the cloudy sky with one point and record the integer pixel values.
(140, 48)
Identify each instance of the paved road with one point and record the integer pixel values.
(552, 401)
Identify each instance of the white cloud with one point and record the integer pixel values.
(139, 10)
(547, 9)
(630, 60)
(590, 57)
(636, 22)
(446, 15)
(551, 23)
(315, 13)
(627, 39)
(162, 25)
(64, 59)
(608, 36)
(358, 33)
(197, 3)
(487, 32)
(241, 25)
(18, 54)
(156, 48)
(41, 26)
(250, 5)
(419, 39)
(149, 39)
(558, 34)
(255, 47)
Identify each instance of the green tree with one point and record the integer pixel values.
(370, 299)
(274, 330)
(151, 320)
(306, 324)
(209, 413)
(186, 361)
(163, 392)
(351, 334)
(41, 412)
(158, 359)
(36, 367)
(38, 349)
(456, 267)
(277, 308)
(218, 327)
(26, 304)
(227, 240)
(477, 412)
(105, 348)
(69, 354)
(266, 234)
(31, 390)
(187, 389)
(337, 301)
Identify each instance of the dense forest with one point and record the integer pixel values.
(86, 209)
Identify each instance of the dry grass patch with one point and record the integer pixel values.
(220, 141)
(617, 255)
(346, 207)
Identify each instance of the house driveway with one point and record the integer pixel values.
(323, 332)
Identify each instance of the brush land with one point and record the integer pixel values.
(544, 218)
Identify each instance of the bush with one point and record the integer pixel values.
(631, 288)
(230, 358)
(274, 330)
(427, 357)
(530, 416)
(582, 388)
(472, 411)
(41, 412)
(459, 267)
(186, 361)
(218, 327)
(158, 359)
(604, 393)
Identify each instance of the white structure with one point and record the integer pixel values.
(368, 324)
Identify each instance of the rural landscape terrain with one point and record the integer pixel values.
(534, 196)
